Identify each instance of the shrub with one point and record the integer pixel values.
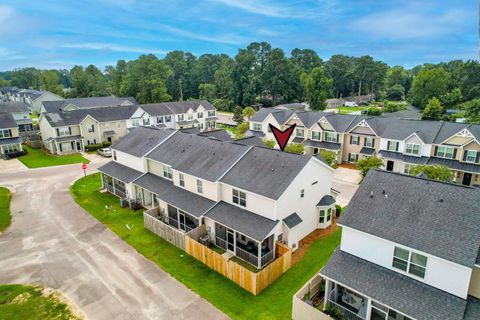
(93, 147)
(435, 172)
(329, 157)
(338, 210)
(294, 148)
(368, 163)
(269, 143)
(373, 111)
(106, 144)
(333, 312)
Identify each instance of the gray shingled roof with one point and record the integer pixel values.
(326, 200)
(322, 145)
(156, 109)
(101, 114)
(85, 103)
(244, 221)
(183, 106)
(14, 106)
(120, 172)
(141, 140)
(254, 133)
(403, 157)
(203, 157)
(309, 118)
(409, 296)
(472, 312)
(153, 183)
(261, 114)
(251, 141)
(368, 151)
(292, 220)
(10, 140)
(454, 164)
(417, 213)
(7, 121)
(267, 172)
(219, 134)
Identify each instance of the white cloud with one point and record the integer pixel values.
(7, 54)
(110, 47)
(257, 7)
(226, 39)
(409, 24)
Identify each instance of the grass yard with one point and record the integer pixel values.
(39, 158)
(5, 217)
(347, 110)
(28, 302)
(275, 302)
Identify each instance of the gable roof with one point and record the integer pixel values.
(265, 171)
(85, 103)
(14, 106)
(7, 120)
(183, 106)
(141, 140)
(156, 109)
(219, 134)
(101, 114)
(200, 156)
(418, 213)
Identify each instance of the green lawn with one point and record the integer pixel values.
(5, 217)
(38, 158)
(272, 303)
(27, 302)
(347, 110)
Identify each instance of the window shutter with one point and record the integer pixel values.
(60, 146)
(58, 132)
(70, 130)
(73, 146)
(351, 138)
(365, 141)
(455, 153)
(10, 132)
(338, 137)
(436, 150)
(396, 147)
(478, 157)
(373, 142)
(465, 155)
(388, 145)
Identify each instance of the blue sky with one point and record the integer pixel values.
(60, 34)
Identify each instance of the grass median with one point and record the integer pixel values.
(5, 216)
(275, 302)
(39, 158)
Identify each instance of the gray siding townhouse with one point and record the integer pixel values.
(10, 141)
(21, 113)
(70, 131)
(405, 253)
(33, 98)
(86, 103)
(402, 143)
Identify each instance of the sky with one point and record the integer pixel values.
(61, 34)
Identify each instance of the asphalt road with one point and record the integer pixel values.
(55, 243)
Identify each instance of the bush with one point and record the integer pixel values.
(269, 143)
(93, 147)
(294, 148)
(333, 312)
(368, 163)
(106, 144)
(373, 111)
(329, 157)
(338, 210)
(396, 92)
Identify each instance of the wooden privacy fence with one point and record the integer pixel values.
(250, 281)
(172, 235)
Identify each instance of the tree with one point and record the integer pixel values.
(207, 91)
(248, 112)
(277, 78)
(294, 148)
(317, 87)
(368, 163)
(180, 64)
(329, 156)
(26, 78)
(428, 83)
(435, 172)
(433, 110)
(340, 69)
(238, 114)
(452, 98)
(472, 110)
(50, 80)
(397, 75)
(396, 92)
(269, 143)
(242, 128)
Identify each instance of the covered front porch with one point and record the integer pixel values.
(117, 179)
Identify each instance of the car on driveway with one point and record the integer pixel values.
(105, 152)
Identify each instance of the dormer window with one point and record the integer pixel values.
(239, 197)
(445, 152)
(190, 116)
(412, 148)
(180, 117)
(410, 262)
(168, 118)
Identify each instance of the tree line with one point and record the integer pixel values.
(262, 75)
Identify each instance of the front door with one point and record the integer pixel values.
(109, 139)
(230, 240)
(79, 146)
(467, 178)
(390, 165)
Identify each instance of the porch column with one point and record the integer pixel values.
(328, 285)
(101, 178)
(234, 242)
(259, 257)
(153, 201)
(369, 308)
(113, 185)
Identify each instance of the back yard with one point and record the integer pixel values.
(275, 302)
(38, 158)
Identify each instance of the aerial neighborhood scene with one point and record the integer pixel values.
(223, 159)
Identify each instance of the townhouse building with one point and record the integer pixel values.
(10, 141)
(21, 113)
(247, 197)
(176, 115)
(65, 132)
(33, 98)
(405, 253)
(85, 103)
(401, 143)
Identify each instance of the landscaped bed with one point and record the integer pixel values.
(5, 217)
(275, 302)
(38, 158)
(32, 302)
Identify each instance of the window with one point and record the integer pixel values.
(445, 152)
(167, 172)
(200, 115)
(168, 118)
(181, 179)
(380, 311)
(410, 262)
(119, 124)
(302, 193)
(269, 129)
(239, 197)
(329, 214)
(91, 128)
(407, 168)
(315, 135)
(321, 218)
(355, 140)
(135, 122)
(413, 149)
(257, 127)
(114, 155)
(190, 116)
(470, 156)
(392, 145)
(352, 157)
(180, 117)
(146, 122)
(299, 133)
(211, 113)
(160, 120)
(199, 186)
(6, 133)
(65, 131)
(10, 148)
(330, 137)
(369, 141)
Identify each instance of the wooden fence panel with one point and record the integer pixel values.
(164, 231)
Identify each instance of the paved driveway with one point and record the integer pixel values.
(53, 242)
(346, 181)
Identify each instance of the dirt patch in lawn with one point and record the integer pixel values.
(306, 242)
(348, 166)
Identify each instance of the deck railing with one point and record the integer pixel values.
(247, 256)
(267, 257)
(221, 243)
(347, 314)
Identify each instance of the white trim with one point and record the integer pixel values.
(414, 133)
(363, 124)
(465, 133)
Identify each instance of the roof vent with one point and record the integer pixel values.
(386, 196)
(273, 169)
(441, 200)
(383, 191)
(371, 194)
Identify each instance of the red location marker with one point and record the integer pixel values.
(84, 166)
(282, 137)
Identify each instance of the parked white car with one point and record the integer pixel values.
(351, 104)
(105, 152)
